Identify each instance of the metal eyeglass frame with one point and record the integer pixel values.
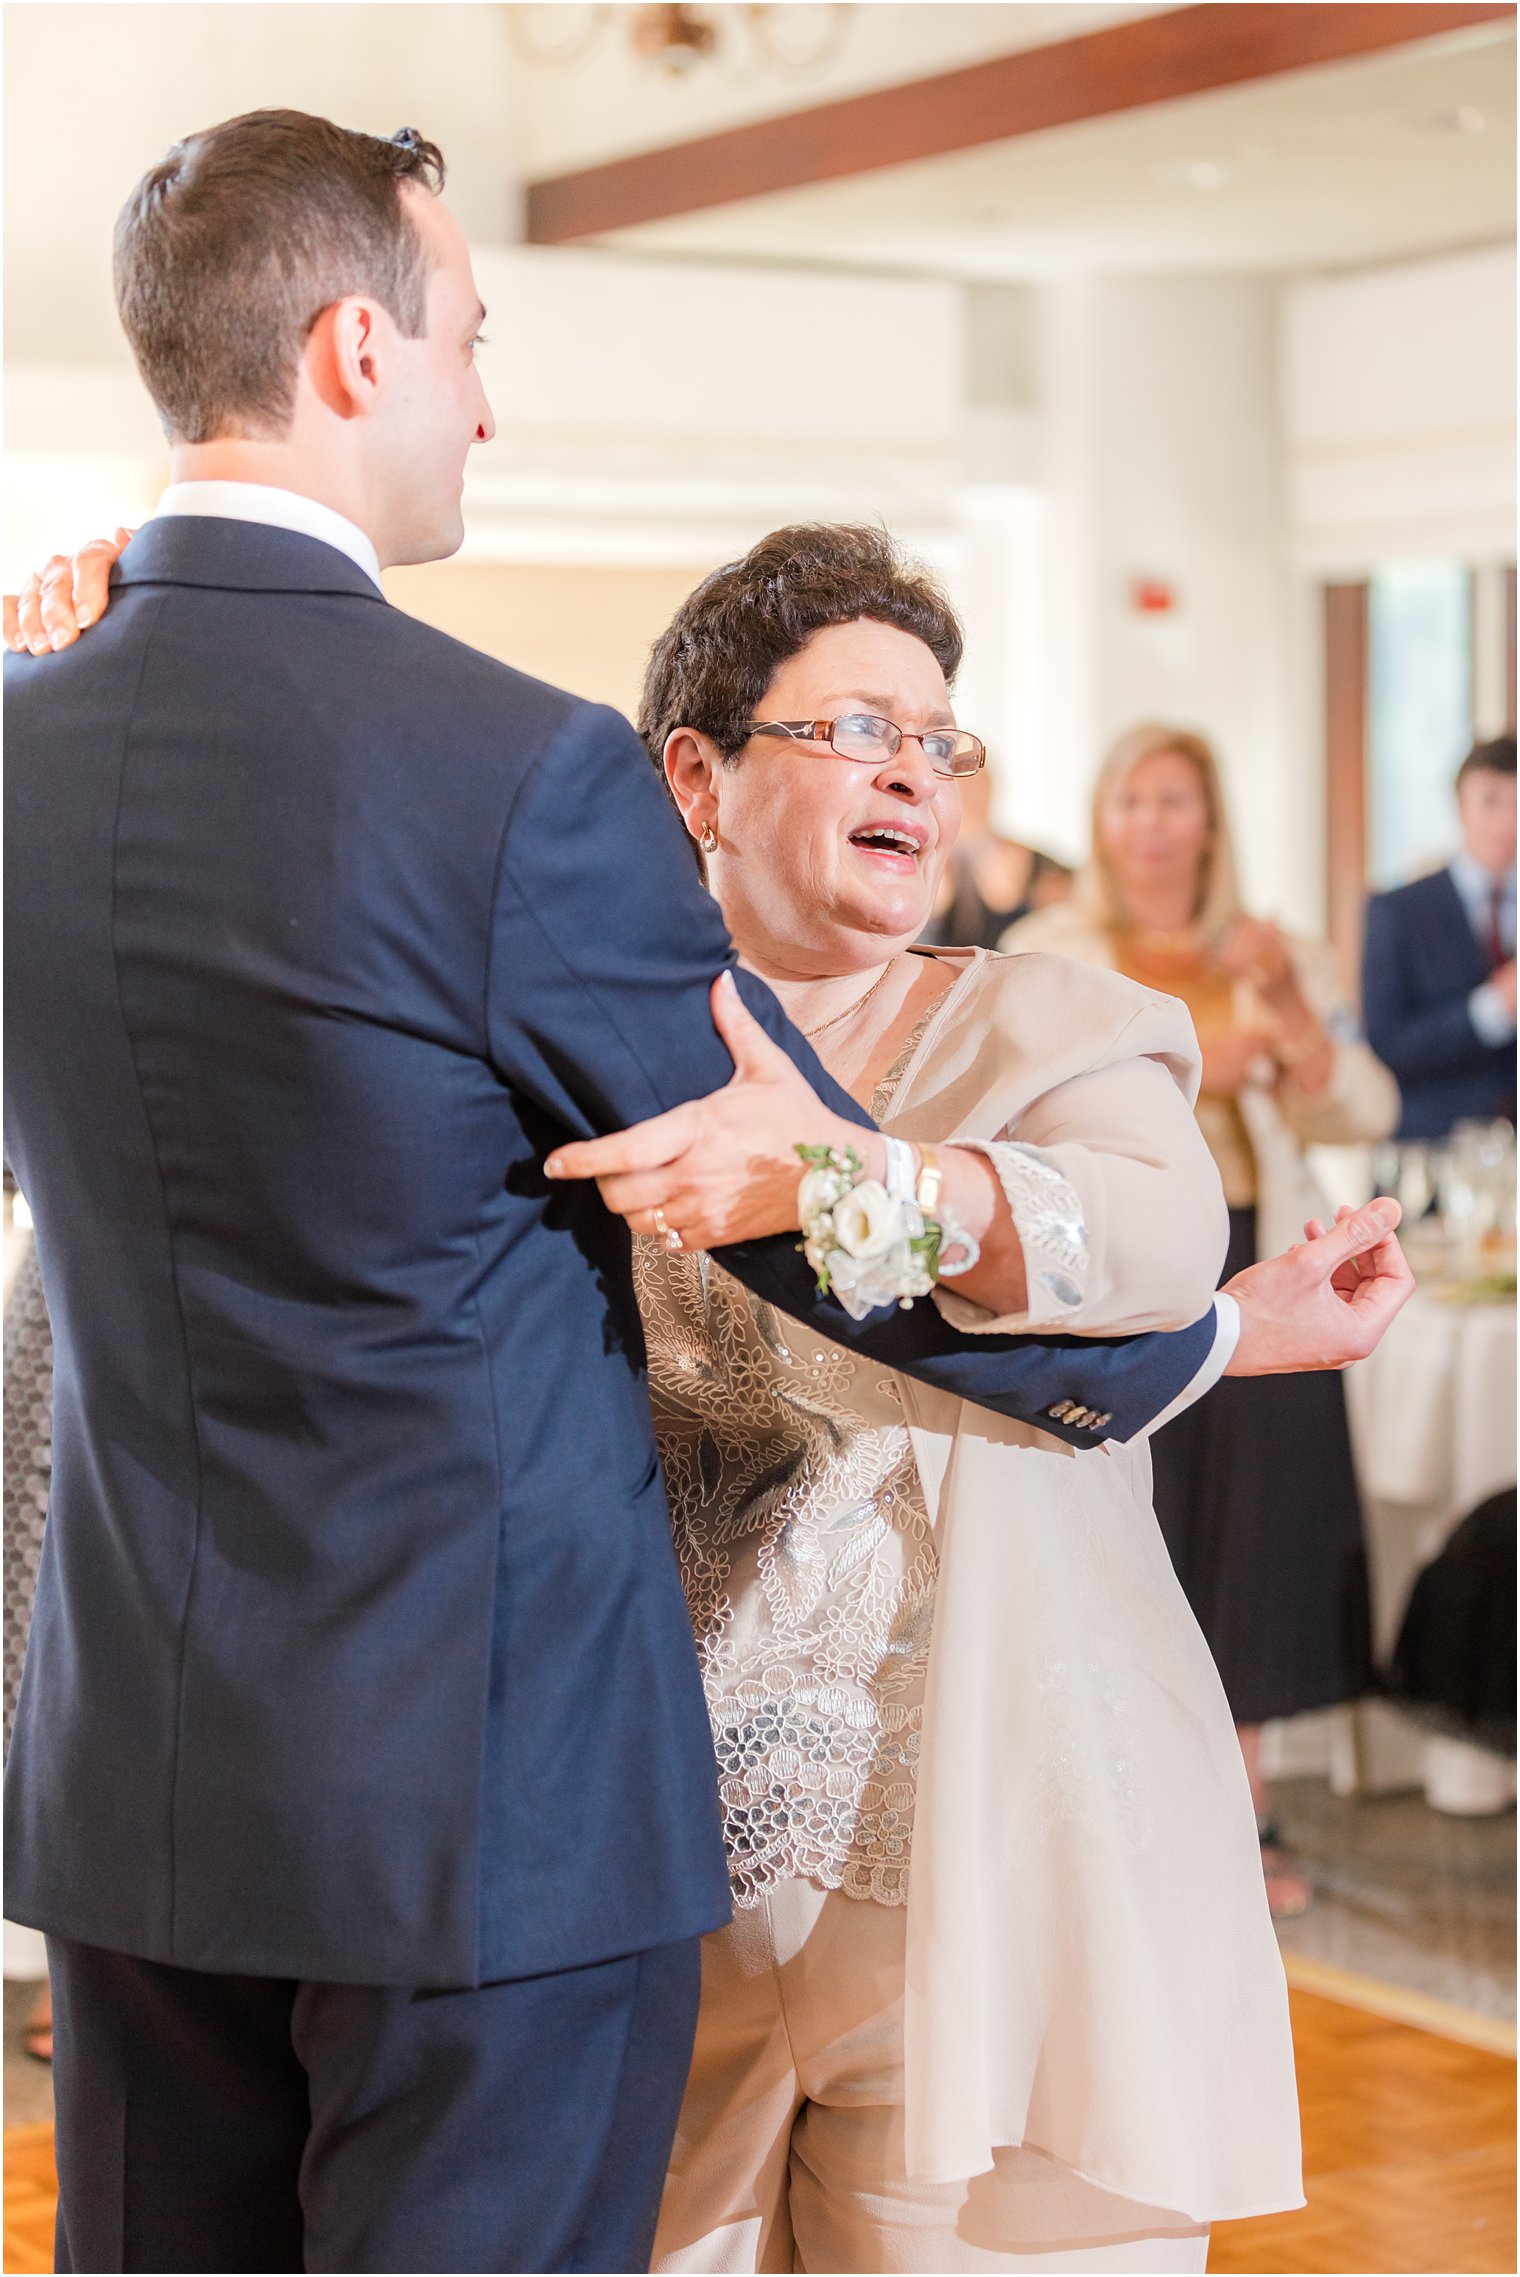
(822, 731)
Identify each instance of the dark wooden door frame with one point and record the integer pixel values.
(1153, 59)
(1345, 635)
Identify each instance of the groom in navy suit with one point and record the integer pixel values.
(362, 1778)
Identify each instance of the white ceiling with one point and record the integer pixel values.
(605, 101)
(1407, 152)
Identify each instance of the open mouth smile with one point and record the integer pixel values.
(885, 842)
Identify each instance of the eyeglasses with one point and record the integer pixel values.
(864, 737)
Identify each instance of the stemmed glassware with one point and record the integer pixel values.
(1470, 1178)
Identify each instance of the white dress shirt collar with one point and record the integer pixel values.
(1474, 882)
(280, 509)
(1476, 888)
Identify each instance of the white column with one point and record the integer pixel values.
(1161, 460)
(1489, 689)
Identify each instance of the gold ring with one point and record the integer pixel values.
(667, 1233)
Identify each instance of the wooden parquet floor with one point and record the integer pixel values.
(1409, 2158)
(31, 2193)
(1409, 2154)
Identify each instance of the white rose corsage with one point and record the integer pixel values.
(868, 1245)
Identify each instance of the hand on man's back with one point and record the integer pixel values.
(59, 601)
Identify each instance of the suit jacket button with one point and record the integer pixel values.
(1062, 1411)
(1100, 1420)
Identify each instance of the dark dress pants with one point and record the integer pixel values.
(212, 2123)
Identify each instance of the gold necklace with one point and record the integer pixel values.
(859, 1005)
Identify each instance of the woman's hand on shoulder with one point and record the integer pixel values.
(62, 599)
(724, 1168)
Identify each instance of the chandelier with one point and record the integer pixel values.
(793, 34)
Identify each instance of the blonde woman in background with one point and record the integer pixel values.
(1255, 1488)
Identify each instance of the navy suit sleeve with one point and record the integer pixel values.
(604, 949)
(1411, 1038)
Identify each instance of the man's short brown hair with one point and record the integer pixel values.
(1496, 757)
(230, 248)
(711, 666)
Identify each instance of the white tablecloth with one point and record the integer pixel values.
(1433, 1409)
(1433, 1424)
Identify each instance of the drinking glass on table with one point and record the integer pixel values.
(1416, 1188)
(1475, 1178)
(1459, 1202)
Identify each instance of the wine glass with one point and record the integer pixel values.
(1416, 1180)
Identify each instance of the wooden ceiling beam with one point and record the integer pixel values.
(1151, 59)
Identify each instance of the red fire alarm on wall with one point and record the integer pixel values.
(1153, 596)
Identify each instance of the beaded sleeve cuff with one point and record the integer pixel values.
(1047, 1212)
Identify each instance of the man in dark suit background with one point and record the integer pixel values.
(1438, 979)
(362, 1777)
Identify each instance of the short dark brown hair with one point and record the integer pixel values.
(711, 666)
(229, 249)
(1496, 757)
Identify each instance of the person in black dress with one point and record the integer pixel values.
(989, 882)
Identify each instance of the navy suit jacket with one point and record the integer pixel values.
(359, 1648)
(1421, 962)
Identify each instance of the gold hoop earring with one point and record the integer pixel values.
(709, 840)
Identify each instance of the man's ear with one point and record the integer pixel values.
(692, 761)
(343, 355)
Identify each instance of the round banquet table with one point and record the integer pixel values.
(1433, 1425)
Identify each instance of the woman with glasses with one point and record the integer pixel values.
(1001, 1989)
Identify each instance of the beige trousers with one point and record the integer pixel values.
(789, 2152)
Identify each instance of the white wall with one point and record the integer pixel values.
(642, 402)
(1398, 390)
(95, 93)
(1159, 401)
(83, 451)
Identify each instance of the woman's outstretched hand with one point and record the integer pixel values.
(60, 600)
(1325, 1302)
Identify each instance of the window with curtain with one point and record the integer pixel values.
(1419, 712)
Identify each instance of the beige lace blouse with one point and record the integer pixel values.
(809, 1566)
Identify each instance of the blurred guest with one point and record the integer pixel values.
(989, 882)
(1255, 1488)
(28, 1463)
(1438, 979)
(1454, 1663)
